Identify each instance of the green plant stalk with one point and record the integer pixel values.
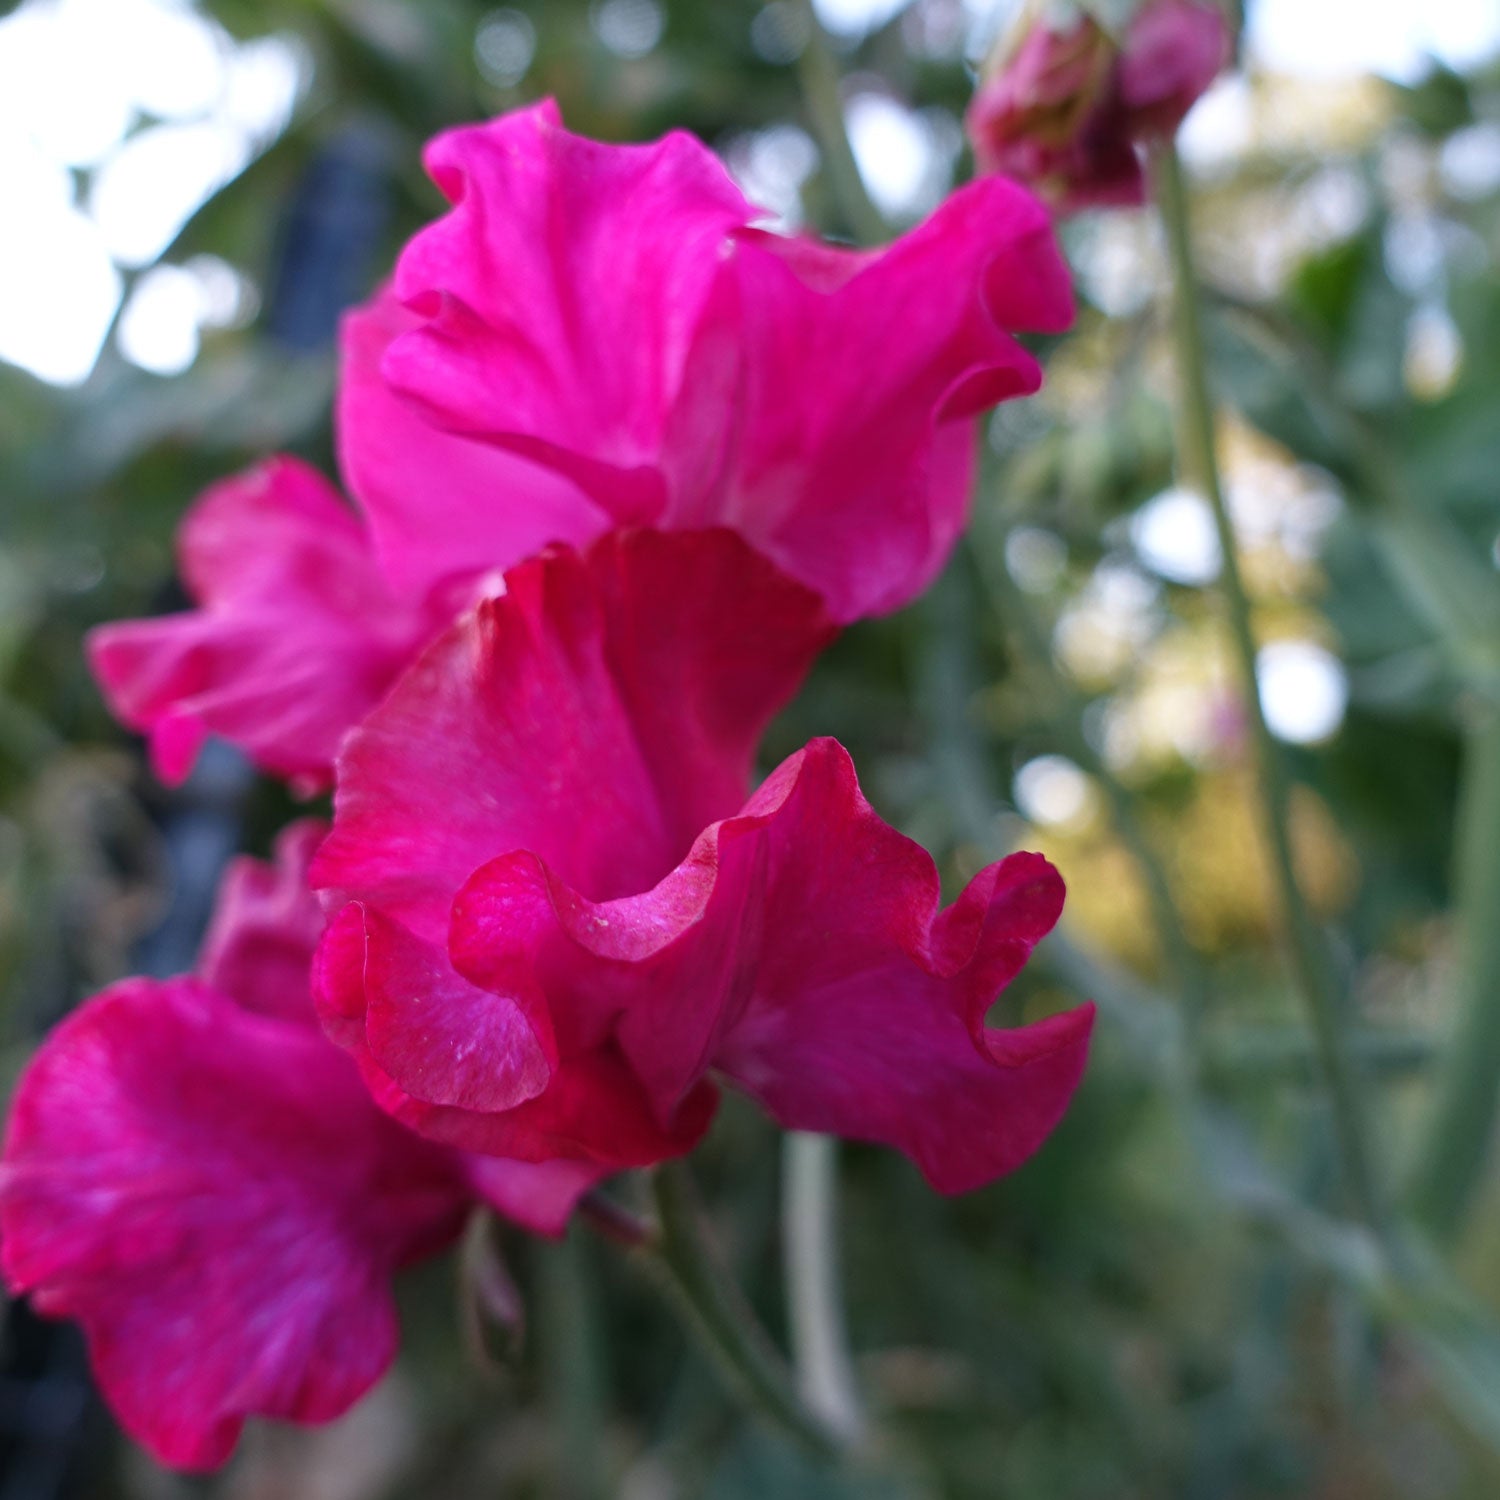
(1451, 1155)
(809, 1226)
(823, 95)
(1252, 1055)
(1310, 961)
(573, 1369)
(1449, 586)
(1446, 583)
(723, 1321)
(1453, 590)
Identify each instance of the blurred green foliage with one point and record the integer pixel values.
(1167, 1301)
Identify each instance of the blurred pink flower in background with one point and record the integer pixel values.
(195, 1173)
(308, 607)
(1065, 106)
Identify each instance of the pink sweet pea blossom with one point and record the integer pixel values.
(439, 508)
(295, 638)
(308, 608)
(1067, 105)
(198, 1177)
(563, 914)
(611, 312)
(595, 336)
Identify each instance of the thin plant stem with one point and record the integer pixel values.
(1311, 963)
(1450, 1158)
(573, 1369)
(823, 95)
(820, 1353)
(717, 1311)
(1253, 1055)
(1448, 587)
(612, 1220)
(1443, 580)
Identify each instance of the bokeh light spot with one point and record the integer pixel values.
(504, 46)
(1303, 691)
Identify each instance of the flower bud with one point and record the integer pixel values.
(1065, 104)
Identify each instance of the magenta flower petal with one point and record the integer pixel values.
(539, 1196)
(853, 463)
(266, 925)
(800, 950)
(561, 294)
(212, 1194)
(604, 709)
(608, 311)
(448, 1042)
(438, 505)
(1067, 104)
(1174, 50)
(593, 1109)
(201, 1178)
(582, 742)
(295, 639)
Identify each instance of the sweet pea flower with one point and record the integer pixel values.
(295, 637)
(564, 920)
(308, 607)
(1066, 106)
(613, 314)
(727, 377)
(198, 1177)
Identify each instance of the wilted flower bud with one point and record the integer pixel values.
(1173, 50)
(1065, 104)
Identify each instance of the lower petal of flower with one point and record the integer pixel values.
(212, 1194)
(800, 951)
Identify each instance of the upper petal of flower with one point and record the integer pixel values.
(560, 294)
(608, 311)
(800, 950)
(296, 637)
(214, 1196)
(601, 712)
(439, 505)
(852, 463)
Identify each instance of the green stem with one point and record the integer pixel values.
(573, 1369)
(825, 1373)
(1251, 1054)
(824, 97)
(1311, 964)
(1451, 1155)
(611, 1220)
(724, 1322)
(1442, 578)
